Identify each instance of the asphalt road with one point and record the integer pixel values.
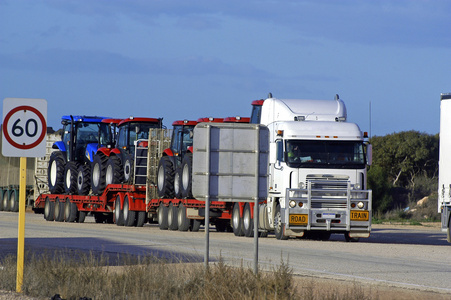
(413, 257)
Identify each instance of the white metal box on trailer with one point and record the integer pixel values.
(230, 162)
(444, 175)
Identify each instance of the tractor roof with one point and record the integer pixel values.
(140, 120)
(210, 120)
(87, 119)
(184, 122)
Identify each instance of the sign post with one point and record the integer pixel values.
(24, 135)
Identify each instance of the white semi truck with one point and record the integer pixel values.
(317, 170)
(444, 171)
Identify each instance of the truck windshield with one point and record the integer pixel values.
(325, 154)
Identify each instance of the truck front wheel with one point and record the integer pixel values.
(279, 227)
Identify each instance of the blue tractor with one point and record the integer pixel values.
(70, 164)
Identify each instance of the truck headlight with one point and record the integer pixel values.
(360, 204)
(292, 203)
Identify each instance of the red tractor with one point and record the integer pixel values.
(116, 165)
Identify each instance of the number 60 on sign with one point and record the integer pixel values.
(24, 127)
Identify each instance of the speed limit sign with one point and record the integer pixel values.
(24, 127)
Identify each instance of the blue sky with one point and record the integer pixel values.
(190, 59)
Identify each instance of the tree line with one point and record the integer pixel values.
(404, 169)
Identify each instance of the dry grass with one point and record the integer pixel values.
(75, 275)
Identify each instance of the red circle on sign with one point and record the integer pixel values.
(10, 140)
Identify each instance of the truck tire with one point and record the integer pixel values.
(141, 218)
(118, 213)
(128, 170)
(1, 198)
(14, 200)
(81, 217)
(172, 217)
(248, 221)
(129, 215)
(98, 182)
(195, 225)
(5, 200)
(55, 172)
(163, 217)
(182, 220)
(70, 177)
(59, 210)
(49, 210)
(186, 176)
(279, 227)
(237, 221)
(83, 180)
(71, 211)
(114, 172)
(165, 179)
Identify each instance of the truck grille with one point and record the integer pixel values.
(328, 191)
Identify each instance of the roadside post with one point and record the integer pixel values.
(23, 135)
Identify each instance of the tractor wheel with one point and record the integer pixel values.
(182, 220)
(98, 182)
(279, 227)
(83, 180)
(165, 180)
(129, 215)
(237, 221)
(55, 172)
(128, 170)
(186, 176)
(177, 183)
(70, 177)
(113, 173)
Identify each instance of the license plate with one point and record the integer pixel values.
(328, 215)
(298, 219)
(360, 215)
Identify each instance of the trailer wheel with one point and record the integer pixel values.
(55, 172)
(71, 211)
(195, 225)
(165, 179)
(49, 210)
(186, 176)
(279, 227)
(237, 221)
(5, 200)
(83, 180)
(172, 217)
(118, 213)
(14, 200)
(70, 177)
(182, 220)
(59, 210)
(98, 182)
(141, 218)
(113, 173)
(81, 216)
(448, 233)
(129, 215)
(163, 217)
(1, 198)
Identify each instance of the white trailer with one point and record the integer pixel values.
(444, 172)
(317, 170)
